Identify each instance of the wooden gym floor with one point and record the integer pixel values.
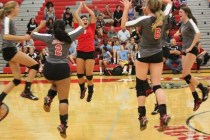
(111, 115)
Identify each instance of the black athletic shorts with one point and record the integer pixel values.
(156, 58)
(9, 53)
(166, 52)
(55, 72)
(193, 51)
(85, 55)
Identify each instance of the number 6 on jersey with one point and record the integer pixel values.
(157, 33)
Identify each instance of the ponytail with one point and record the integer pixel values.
(159, 19)
(187, 10)
(7, 9)
(2, 13)
(62, 36)
(193, 18)
(59, 32)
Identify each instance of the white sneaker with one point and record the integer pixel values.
(125, 72)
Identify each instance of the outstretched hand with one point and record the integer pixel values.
(126, 3)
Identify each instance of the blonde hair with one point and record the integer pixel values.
(7, 9)
(155, 7)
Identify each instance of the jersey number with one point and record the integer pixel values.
(58, 50)
(157, 34)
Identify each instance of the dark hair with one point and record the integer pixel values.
(59, 32)
(187, 10)
(68, 8)
(30, 21)
(48, 4)
(83, 16)
(105, 48)
(117, 6)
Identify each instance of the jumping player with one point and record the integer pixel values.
(85, 53)
(191, 35)
(56, 69)
(12, 55)
(150, 56)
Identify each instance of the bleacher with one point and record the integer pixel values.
(60, 6)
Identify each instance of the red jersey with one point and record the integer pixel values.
(86, 39)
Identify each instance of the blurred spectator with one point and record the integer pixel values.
(123, 59)
(100, 23)
(73, 52)
(47, 7)
(138, 7)
(49, 26)
(112, 34)
(96, 11)
(174, 58)
(117, 16)
(136, 34)
(105, 44)
(203, 56)
(123, 35)
(131, 13)
(97, 41)
(183, 2)
(33, 55)
(133, 54)
(68, 17)
(50, 14)
(209, 3)
(116, 49)
(42, 59)
(105, 59)
(1, 5)
(31, 25)
(107, 12)
(29, 43)
(131, 45)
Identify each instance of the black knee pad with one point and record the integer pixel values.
(65, 101)
(89, 77)
(80, 75)
(35, 67)
(16, 82)
(140, 88)
(187, 78)
(155, 88)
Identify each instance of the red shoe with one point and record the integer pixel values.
(143, 123)
(82, 94)
(197, 104)
(62, 130)
(47, 103)
(164, 122)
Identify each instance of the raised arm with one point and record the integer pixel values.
(75, 33)
(78, 11)
(92, 15)
(78, 19)
(126, 4)
(41, 25)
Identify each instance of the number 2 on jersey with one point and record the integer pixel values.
(157, 33)
(58, 50)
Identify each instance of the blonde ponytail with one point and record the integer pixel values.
(7, 9)
(159, 19)
(2, 13)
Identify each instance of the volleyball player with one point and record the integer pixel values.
(12, 55)
(56, 69)
(190, 34)
(85, 53)
(150, 56)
